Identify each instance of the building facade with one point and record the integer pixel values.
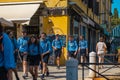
(72, 17)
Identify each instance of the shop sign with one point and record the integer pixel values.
(91, 22)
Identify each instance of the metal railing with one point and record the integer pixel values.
(108, 62)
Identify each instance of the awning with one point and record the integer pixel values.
(4, 22)
(19, 11)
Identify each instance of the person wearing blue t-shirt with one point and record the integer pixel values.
(14, 44)
(34, 56)
(46, 49)
(3, 71)
(72, 47)
(23, 47)
(83, 49)
(7, 62)
(57, 46)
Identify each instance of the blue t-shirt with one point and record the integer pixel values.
(22, 44)
(72, 46)
(33, 49)
(57, 43)
(83, 44)
(45, 46)
(8, 56)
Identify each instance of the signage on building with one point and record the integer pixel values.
(91, 22)
(88, 21)
(85, 20)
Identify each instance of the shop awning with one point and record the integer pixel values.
(19, 11)
(4, 22)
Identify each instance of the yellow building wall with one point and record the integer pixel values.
(56, 3)
(57, 25)
(16, 0)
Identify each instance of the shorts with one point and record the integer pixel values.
(82, 52)
(58, 53)
(71, 54)
(101, 54)
(3, 73)
(24, 57)
(34, 60)
(46, 58)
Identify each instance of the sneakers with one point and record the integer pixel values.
(43, 76)
(24, 76)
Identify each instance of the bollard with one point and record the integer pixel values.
(92, 59)
(72, 69)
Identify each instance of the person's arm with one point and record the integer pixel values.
(86, 47)
(105, 48)
(49, 48)
(53, 44)
(67, 50)
(79, 47)
(76, 49)
(16, 46)
(18, 43)
(97, 47)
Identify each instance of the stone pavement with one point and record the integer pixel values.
(56, 74)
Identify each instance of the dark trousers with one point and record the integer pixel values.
(3, 73)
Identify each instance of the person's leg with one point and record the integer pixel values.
(47, 70)
(10, 75)
(25, 66)
(44, 69)
(102, 59)
(31, 70)
(58, 62)
(36, 71)
(16, 74)
(81, 57)
(85, 58)
(99, 60)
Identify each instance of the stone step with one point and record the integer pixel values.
(89, 79)
(99, 79)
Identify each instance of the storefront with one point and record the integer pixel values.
(19, 13)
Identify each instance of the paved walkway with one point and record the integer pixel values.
(56, 74)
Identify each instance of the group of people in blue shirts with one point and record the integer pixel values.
(36, 51)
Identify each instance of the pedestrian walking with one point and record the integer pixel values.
(34, 56)
(101, 49)
(15, 48)
(46, 49)
(23, 47)
(83, 49)
(57, 47)
(7, 62)
(72, 47)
